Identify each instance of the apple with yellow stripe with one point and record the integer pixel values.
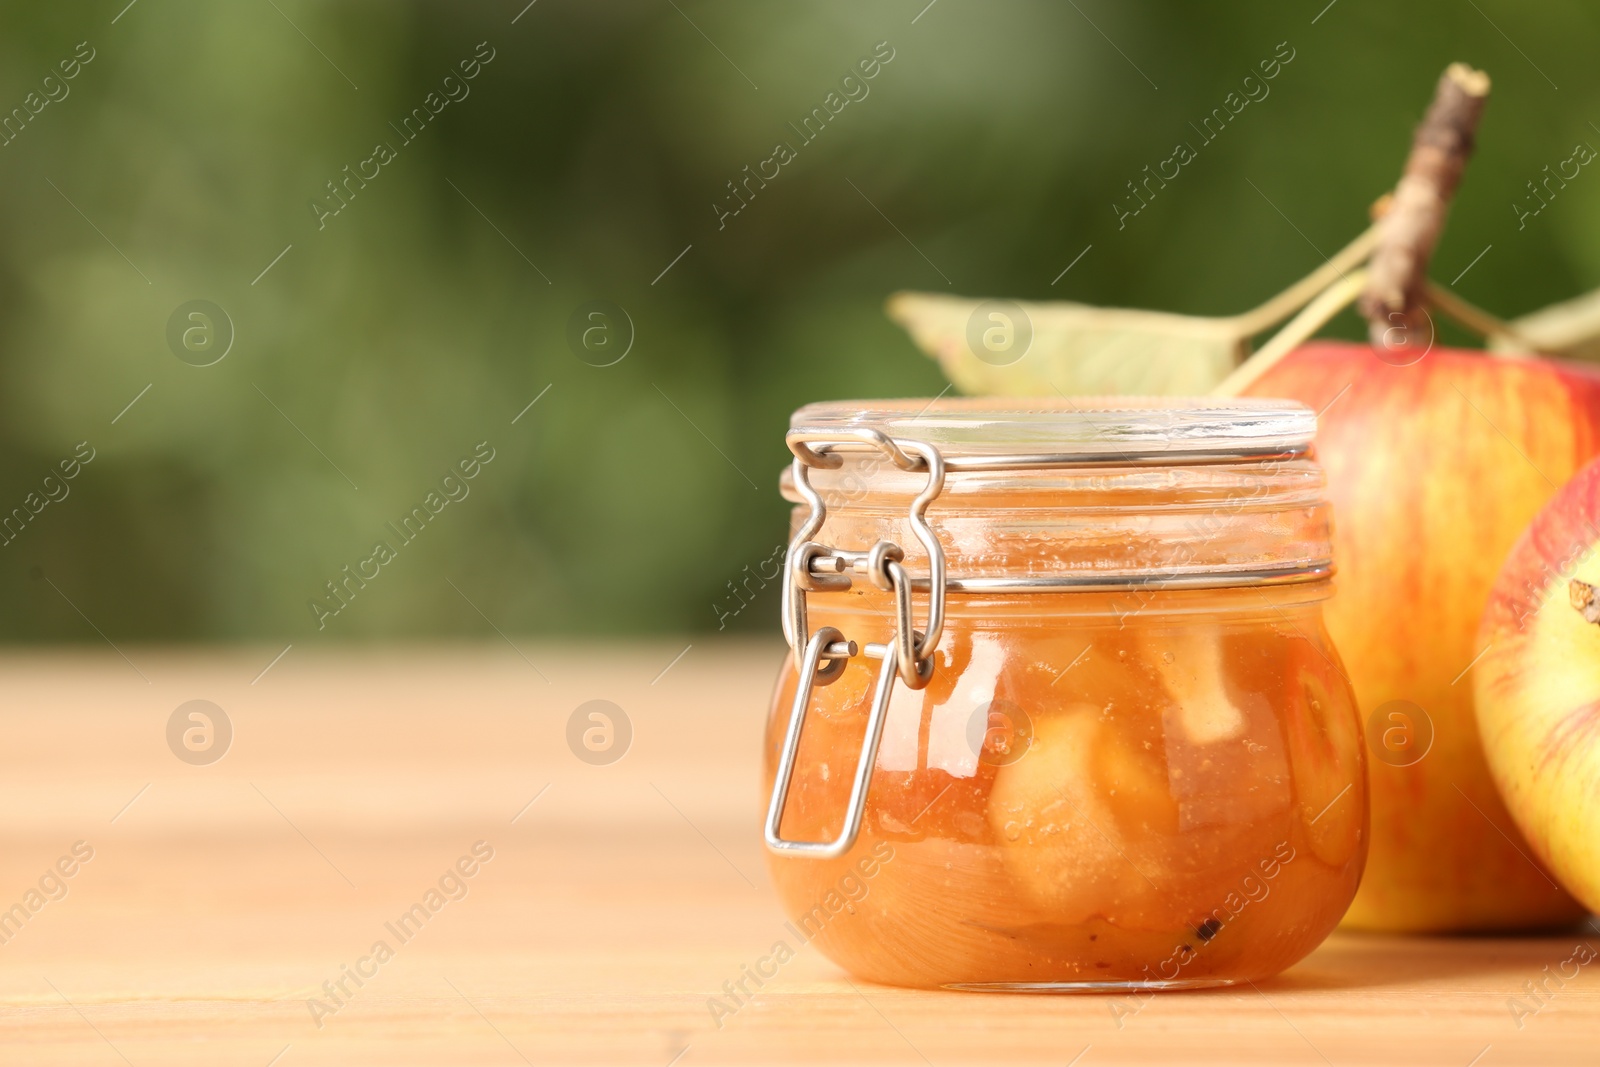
(1434, 469)
(1538, 686)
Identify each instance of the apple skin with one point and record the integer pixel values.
(1537, 689)
(1434, 469)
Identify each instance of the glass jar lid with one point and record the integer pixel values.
(1071, 494)
(972, 432)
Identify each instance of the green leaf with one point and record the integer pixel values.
(1076, 349)
(1570, 329)
(1079, 349)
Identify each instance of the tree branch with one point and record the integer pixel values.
(1396, 282)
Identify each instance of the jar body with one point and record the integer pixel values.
(1162, 789)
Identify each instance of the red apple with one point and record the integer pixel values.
(1434, 469)
(1538, 687)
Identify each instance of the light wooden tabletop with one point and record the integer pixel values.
(220, 898)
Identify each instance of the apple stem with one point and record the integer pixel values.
(1397, 281)
(1585, 600)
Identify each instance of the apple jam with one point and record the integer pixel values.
(1128, 757)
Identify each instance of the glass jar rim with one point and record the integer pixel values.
(1093, 430)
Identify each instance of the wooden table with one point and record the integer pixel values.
(221, 897)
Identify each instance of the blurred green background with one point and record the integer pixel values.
(419, 321)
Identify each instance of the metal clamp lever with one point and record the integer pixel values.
(830, 642)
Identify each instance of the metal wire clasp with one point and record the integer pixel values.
(821, 657)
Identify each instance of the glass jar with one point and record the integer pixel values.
(1071, 719)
